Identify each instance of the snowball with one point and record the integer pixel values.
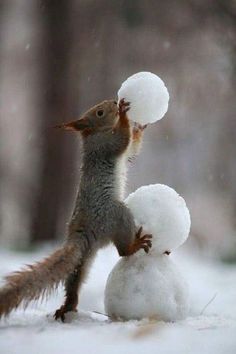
(147, 95)
(162, 213)
(146, 287)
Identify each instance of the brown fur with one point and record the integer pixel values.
(37, 279)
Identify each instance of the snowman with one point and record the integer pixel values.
(149, 285)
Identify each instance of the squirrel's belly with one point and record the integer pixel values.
(120, 181)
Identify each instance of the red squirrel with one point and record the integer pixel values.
(99, 217)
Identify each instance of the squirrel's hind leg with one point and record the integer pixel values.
(72, 287)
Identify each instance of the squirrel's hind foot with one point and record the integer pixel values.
(60, 313)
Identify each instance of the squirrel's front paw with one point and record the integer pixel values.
(144, 241)
(141, 242)
(139, 128)
(123, 107)
(137, 132)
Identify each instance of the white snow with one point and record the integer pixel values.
(148, 97)
(163, 213)
(146, 286)
(213, 332)
(149, 285)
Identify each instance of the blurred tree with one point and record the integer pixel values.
(56, 178)
(19, 101)
(2, 14)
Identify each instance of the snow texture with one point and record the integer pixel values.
(147, 286)
(152, 280)
(209, 331)
(148, 97)
(162, 212)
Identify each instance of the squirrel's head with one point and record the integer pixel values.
(101, 117)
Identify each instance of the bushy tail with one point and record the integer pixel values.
(38, 279)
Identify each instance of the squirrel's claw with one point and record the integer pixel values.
(137, 127)
(141, 242)
(60, 314)
(145, 242)
(123, 106)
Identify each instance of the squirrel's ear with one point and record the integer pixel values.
(75, 125)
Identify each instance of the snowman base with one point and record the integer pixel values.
(146, 286)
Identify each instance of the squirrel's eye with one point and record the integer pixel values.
(100, 113)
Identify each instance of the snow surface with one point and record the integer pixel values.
(147, 286)
(148, 97)
(209, 331)
(162, 212)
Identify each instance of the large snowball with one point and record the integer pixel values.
(161, 212)
(148, 97)
(146, 287)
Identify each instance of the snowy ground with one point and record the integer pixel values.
(212, 330)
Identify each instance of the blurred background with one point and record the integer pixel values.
(58, 58)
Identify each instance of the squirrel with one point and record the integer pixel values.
(99, 215)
